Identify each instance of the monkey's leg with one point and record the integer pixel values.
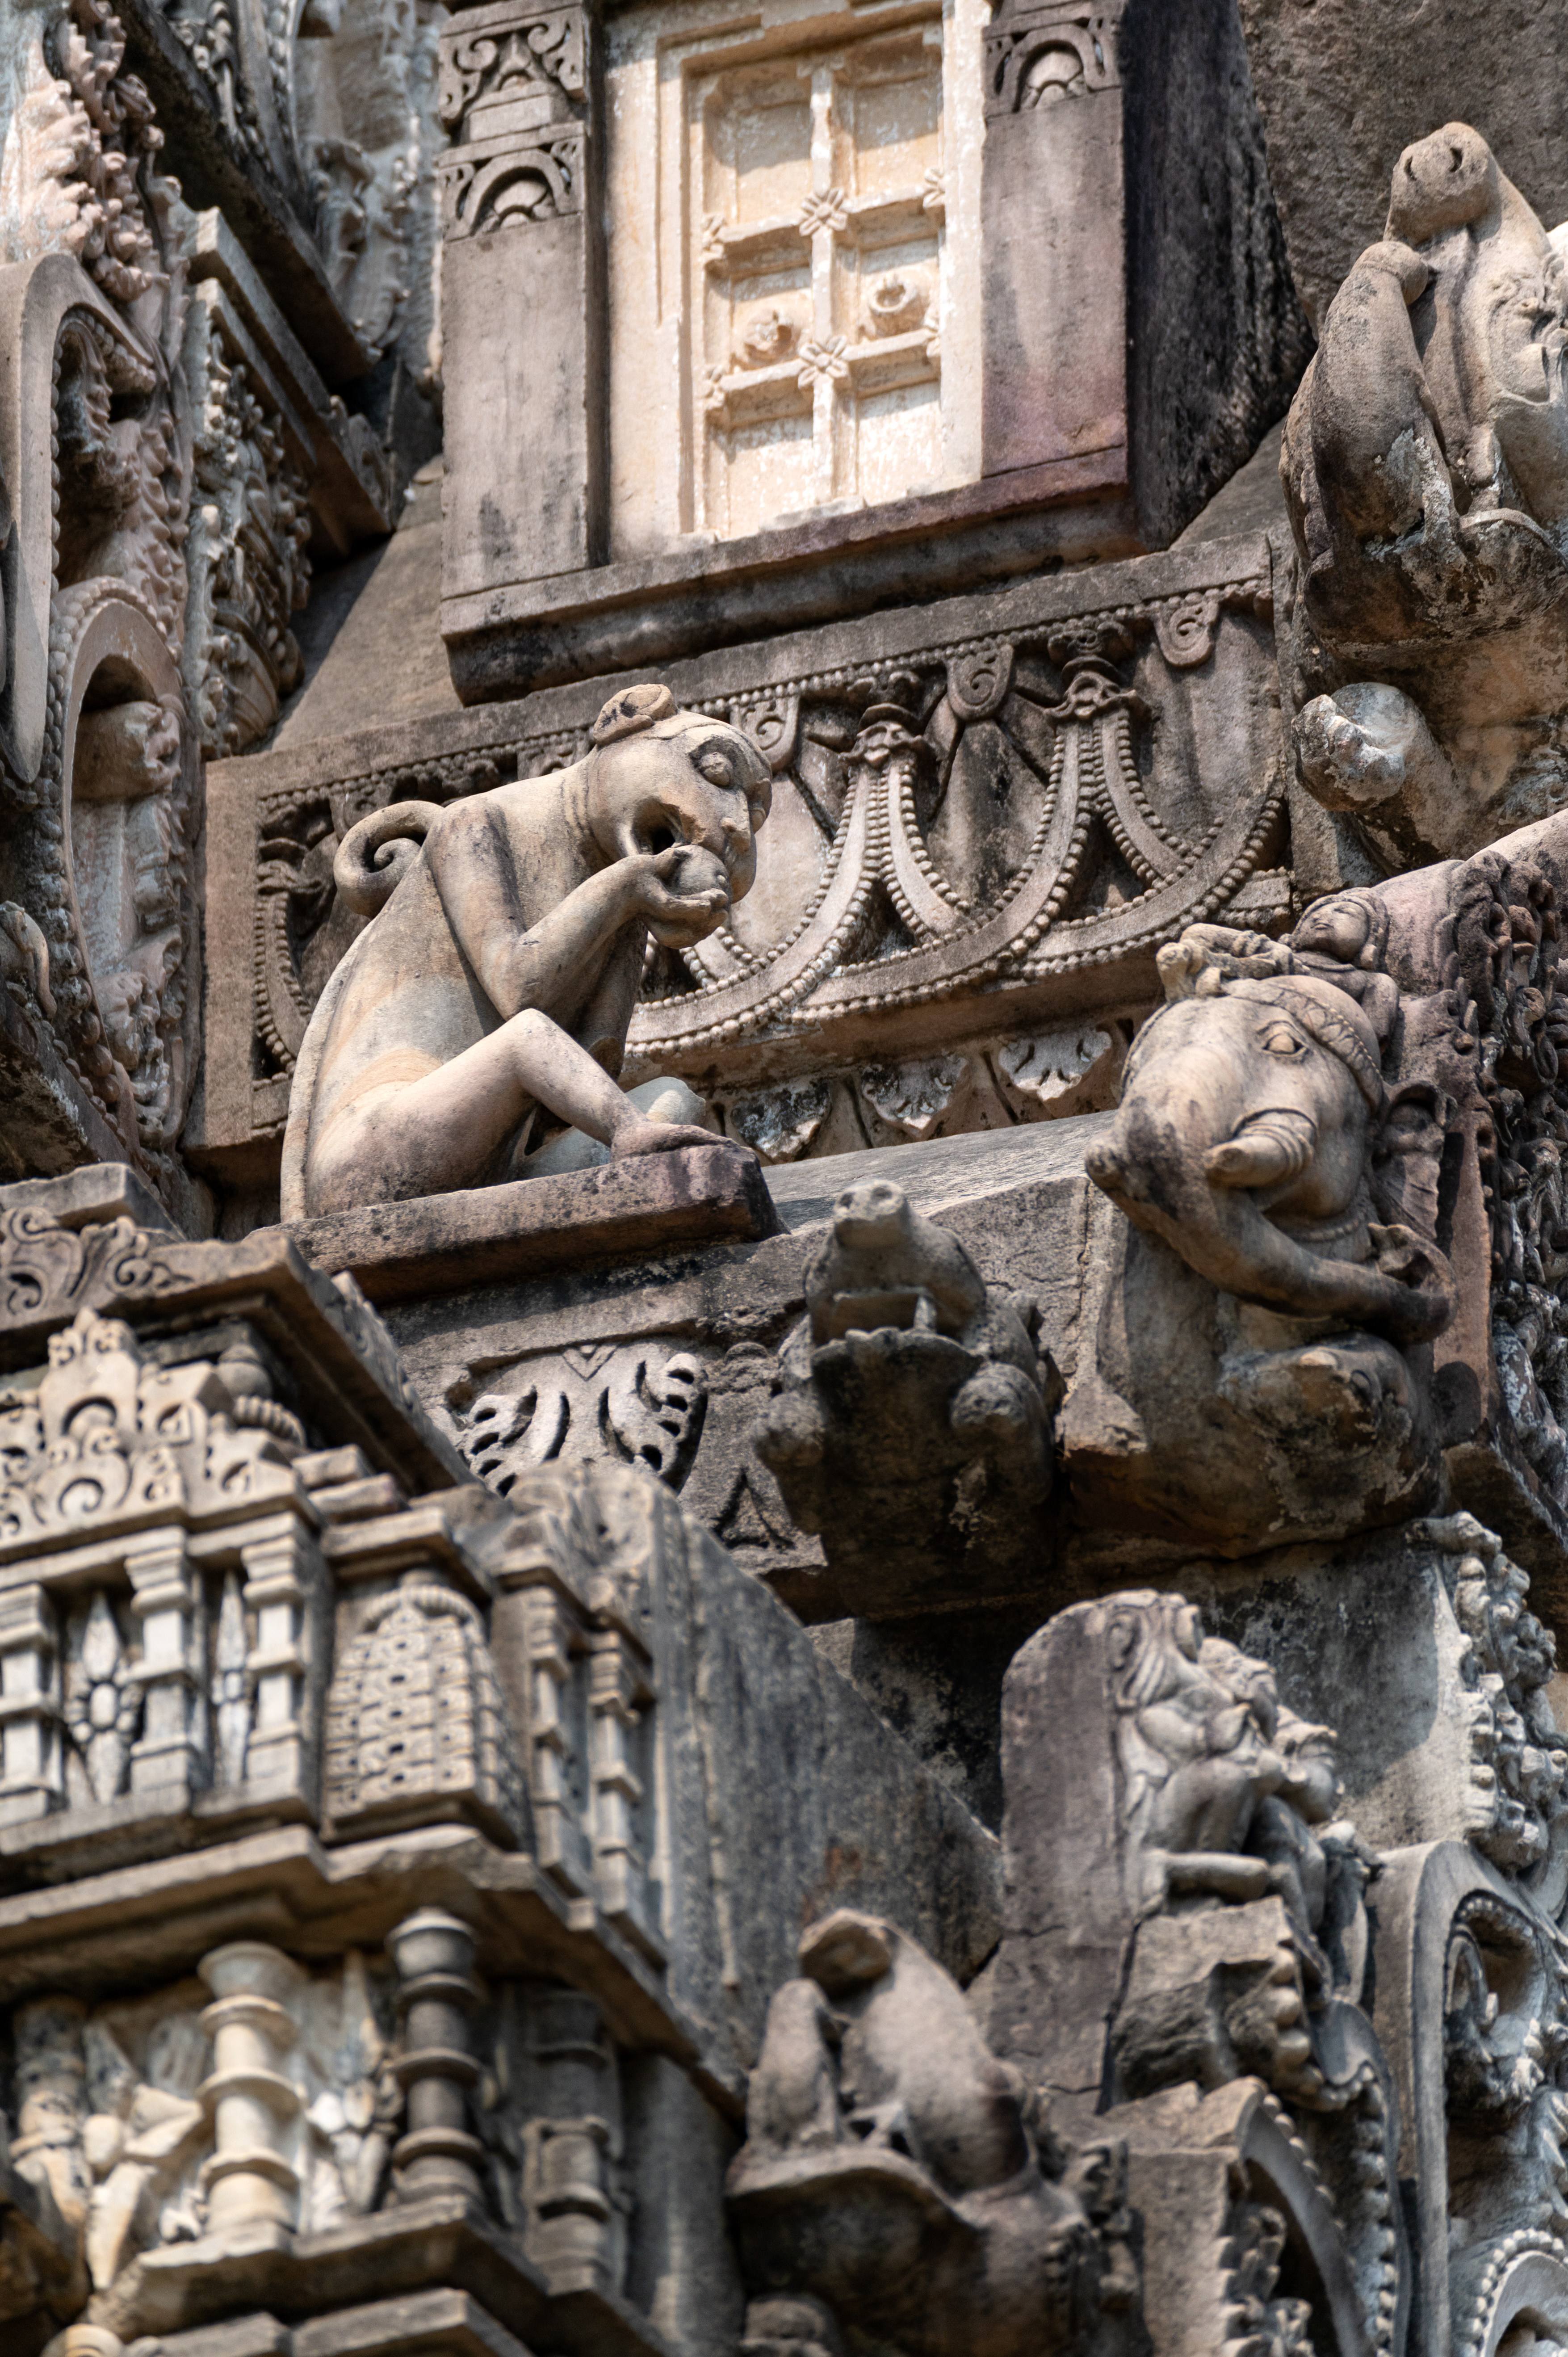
(440, 1132)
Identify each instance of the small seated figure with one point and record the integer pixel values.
(1425, 469)
(911, 1420)
(500, 977)
(899, 2186)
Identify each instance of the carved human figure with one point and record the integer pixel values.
(1426, 467)
(141, 2137)
(1194, 1752)
(891, 2179)
(494, 990)
(1220, 1930)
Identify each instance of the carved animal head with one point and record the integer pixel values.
(1243, 1141)
(657, 776)
(886, 1265)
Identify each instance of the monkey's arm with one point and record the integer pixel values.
(473, 860)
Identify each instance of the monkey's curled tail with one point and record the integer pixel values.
(374, 856)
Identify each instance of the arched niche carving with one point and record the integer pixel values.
(50, 315)
(111, 836)
(1470, 1986)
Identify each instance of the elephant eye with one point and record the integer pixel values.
(715, 767)
(1279, 1039)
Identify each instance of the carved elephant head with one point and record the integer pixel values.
(1243, 1141)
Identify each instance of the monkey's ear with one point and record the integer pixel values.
(633, 709)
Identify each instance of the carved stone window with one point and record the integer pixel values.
(811, 351)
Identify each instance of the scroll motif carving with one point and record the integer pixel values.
(1185, 628)
(513, 96)
(47, 1269)
(137, 1684)
(1036, 55)
(515, 61)
(109, 1436)
(629, 1405)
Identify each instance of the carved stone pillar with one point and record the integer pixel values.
(167, 1600)
(281, 1576)
(618, 1693)
(521, 297)
(433, 1953)
(252, 2177)
(572, 2142)
(1053, 236)
(539, 1616)
(1139, 313)
(30, 1706)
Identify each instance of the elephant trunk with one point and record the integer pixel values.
(1160, 1176)
(1265, 1149)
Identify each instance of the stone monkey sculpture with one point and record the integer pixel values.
(899, 2182)
(1425, 469)
(503, 972)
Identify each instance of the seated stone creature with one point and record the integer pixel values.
(494, 987)
(910, 1421)
(899, 2189)
(1426, 468)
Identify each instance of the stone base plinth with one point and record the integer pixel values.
(531, 1227)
